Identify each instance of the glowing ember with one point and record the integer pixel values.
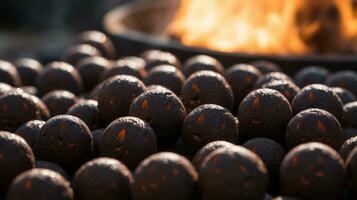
(267, 26)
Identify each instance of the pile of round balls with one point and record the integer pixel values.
(150, 128)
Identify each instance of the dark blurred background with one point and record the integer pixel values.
(43, 28)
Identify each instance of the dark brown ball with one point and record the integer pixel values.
(208, 123)
(167, 76)
(86, 110)
(350, 115)
(286, 88)
(265, 66)
(234, 166)
(59, 76)
(40, 184)
(165, 176)
(347, 147)
(309, 169)
(16, 156)
(18, 107)
(202, 154)
(318, 96)
(9, 74)
(200, 63)
(241, 78)
(74, 54)
(154, 58)
(59, 101)
(91, 69)
(112, 180)
(116, 96)
(163, 111)
(311, 75)
(98, 40)
(344, 79)
(64, 140)
(314, 125)
(206, 87)
(263, 113)
(28, 70)
(29, 131)
(345, 95)
(122, 138)
(131, 66)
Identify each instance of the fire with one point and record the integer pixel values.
(267, 26)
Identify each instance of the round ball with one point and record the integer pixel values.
(116, 96)
(310, 168)
(91, 69)
(74, 54)
(234, 166)
(59, 76)
(200, 63)
(314, 125)
(64, 140)
(59, 101)
(206, 87)
(163, 111)
(40, 184)
(9, 74)
(165, 176)
(16, 156)
(241, 78)
(98, 40)
(154, 58)
(344, 79)
(86, 110)
(18, 107)
(208, 123)
(318, 96)
(28, 70)
(122, 138)
(112, 180)
(256, 111)
(167, 76)
(311, 75)
(29, 131)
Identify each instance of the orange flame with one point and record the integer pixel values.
(267, 26)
